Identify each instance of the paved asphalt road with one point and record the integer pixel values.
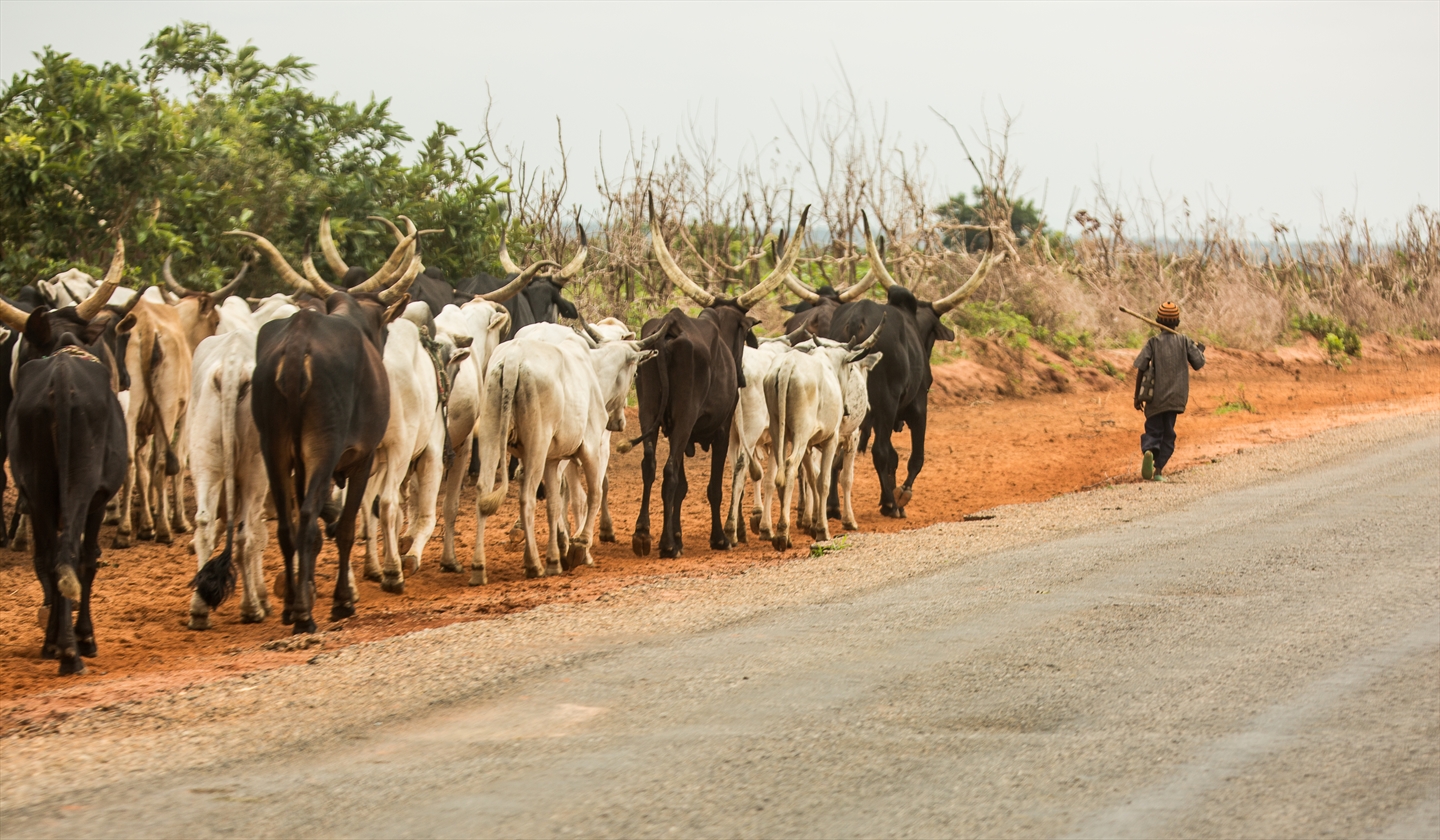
(1264, 662)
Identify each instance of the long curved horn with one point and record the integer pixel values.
(283, 268)
(801, 290)
(589, 330)
(13, 316)
(514, 287)
(307, 264)
(394, 231)
(864, 283)
(170, 278)
(229, 288)
(870, 339)
(773, 280)
(505, 261)
(577, 262)
(91, 306)
(670, 267)
(399, 261)
(950, 301)
(327, 247)
(651, 340)
(395, 292)
(419, 251)
(877, 259)
(803, 333)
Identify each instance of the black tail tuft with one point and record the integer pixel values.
(172, 464)
(216, 579)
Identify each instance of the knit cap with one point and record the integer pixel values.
(1168, 311)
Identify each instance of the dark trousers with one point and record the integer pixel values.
(1159, 437)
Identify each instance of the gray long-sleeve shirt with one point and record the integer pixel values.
(1173, 356)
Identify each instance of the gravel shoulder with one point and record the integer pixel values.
(349, 695)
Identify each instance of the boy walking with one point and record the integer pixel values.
(1162, 388)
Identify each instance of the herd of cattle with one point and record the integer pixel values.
(370, 395)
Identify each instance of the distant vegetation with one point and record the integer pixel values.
(88, 149)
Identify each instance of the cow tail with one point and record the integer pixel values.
(782, 408)
(509, 379)
(66, 579)
(216, 579)
(664, 369)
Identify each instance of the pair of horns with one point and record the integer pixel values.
(946, 303)
(402, 260)
(566, 274)
(854, 292)
(751, 296)
(87, 309)
(641, 344)
(217, 295)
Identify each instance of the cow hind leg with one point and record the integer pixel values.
(208, 524)
(344, 602)
(528, 486)
(424, 490)
(555, 513)
(640, 540)
(607, 525)
(715, 490)
(454, 483)
(89, 565)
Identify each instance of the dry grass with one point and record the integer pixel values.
(1234, 288)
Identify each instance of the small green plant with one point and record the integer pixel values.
(1112, 370)
(1338, 337)
(820, 549)
(1238, 403)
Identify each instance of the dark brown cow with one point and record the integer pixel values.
(817, 306)
(321, 401)
(69, 458)
(690, 390)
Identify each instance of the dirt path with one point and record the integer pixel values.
(1007, 425)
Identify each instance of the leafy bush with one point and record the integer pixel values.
(1337, 337)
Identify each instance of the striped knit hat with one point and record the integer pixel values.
(1168, 314)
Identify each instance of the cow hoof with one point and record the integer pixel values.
(411, 562)
(50, 651)
(755, 524)
(891, 511)
(72, 666)
(304, 627)
(670, 553)
(253, 618)
(607, 536)
(577, 556)
(903, 497)
(780, 543)
(478, 577)
(164, 538)
(552, 568)
(405, 544)
(373, 574)
(86, 646)
(394, 584)
(286, 618)
(533, 572)
(342, 611)
(111, 519)
(850, 526)
(145, 534)
(449, 566)
(720, 543)
(640, 544)
(199, 622)
(517, 538)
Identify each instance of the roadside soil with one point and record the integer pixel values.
(1007, 425)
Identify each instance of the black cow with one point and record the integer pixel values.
(542, 301)
(899, 385)
(70, 458)
(321, 401)
(817, 306)
(690, 390)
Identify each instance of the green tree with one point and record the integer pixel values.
(88, 150)
(1025, 220)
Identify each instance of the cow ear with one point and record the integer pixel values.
(126, 324)
(457, 357)
(207, 304)
(37, 328)
(398, 309)
(942, 332)
(464, 340)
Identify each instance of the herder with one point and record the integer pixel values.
(1162, 388)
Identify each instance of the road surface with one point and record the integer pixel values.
(1260, 662)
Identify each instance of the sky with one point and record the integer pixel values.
(1287, 111)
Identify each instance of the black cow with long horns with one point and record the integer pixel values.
(543, 301)
(689, 391)
(899, 385)
(321, 400)
(70, 457)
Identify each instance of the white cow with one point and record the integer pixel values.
(480, 325)
(414, 436)
(806, 403)
(750, 443)
(615, 356)
(543, 399)
(224, 455)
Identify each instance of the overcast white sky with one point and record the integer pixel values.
(1266, 109)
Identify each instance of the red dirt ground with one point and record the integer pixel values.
(1007, 425)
